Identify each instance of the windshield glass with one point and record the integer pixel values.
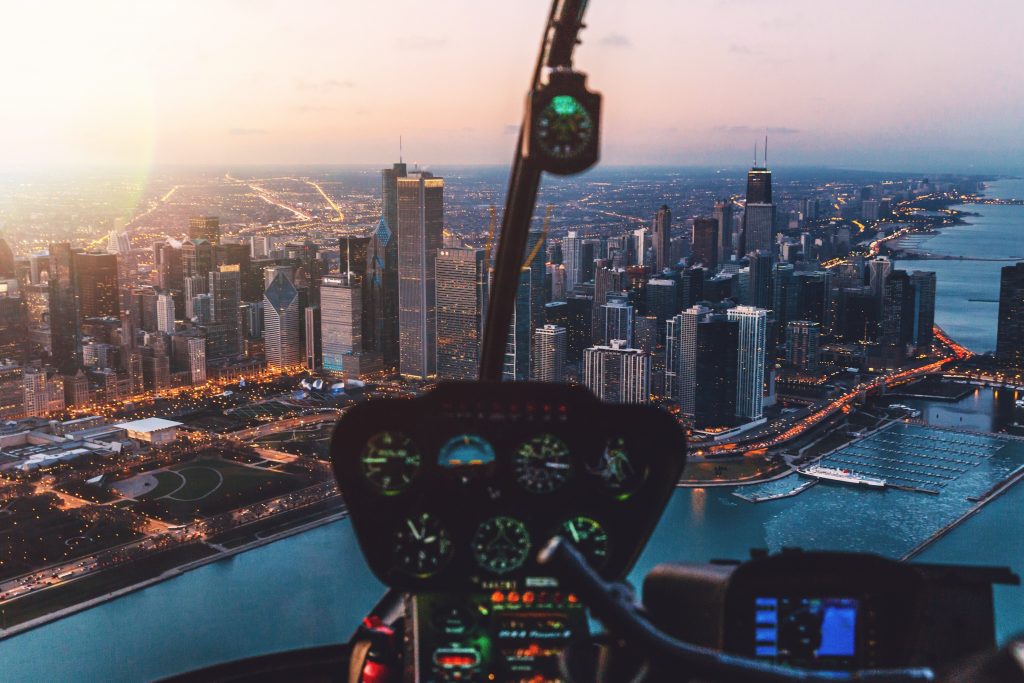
(221, 226)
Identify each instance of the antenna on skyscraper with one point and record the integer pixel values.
(755, 155)
(399, 149)
(766, 150)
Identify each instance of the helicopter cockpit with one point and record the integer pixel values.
(504, 516)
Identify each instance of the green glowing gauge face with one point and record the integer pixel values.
(422, 546)
(589, 537)
(501, 544)
(542, 464)
(390, 461)
(620, 474)
(466, 450)
(564, 128)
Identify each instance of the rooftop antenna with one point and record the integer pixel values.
(766, 150)
(755, 155)
(399, 149)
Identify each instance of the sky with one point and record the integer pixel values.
(907, 85)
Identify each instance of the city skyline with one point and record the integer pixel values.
(864, 92)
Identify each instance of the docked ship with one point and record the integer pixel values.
(844, 476)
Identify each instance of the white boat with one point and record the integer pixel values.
(844, 476)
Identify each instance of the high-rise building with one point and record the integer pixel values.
(924, 308)
(165, 313)
(617, 373)
(281, 316)
(759, 286)
(194, 286)
(579, 318)
(661, 231)
(759, 215)
(802, 342)
(341, 324)
(616, 321)
(385, 263)
(723, 214)
(12, 390)
(660, 296)
(1010, 333)
(715, 369)
(705, 242)
(879, 270)
(750, 360)
(528, 312)
(169, 266)
(420, 224)
(6, 260)
(188, 352)
(44, 391)
(314, 337)
(549, 344)
(898, 322)
(14, 335)
(681, 357)
(96, 276)
(65, 331)
(196, 258)
(462, 288)
(640, 242)
(204, 228)
(226, 292)
(571, 259)
(202, 309)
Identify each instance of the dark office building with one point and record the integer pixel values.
(98, 293)
(759, 291)
(578, 325)
(858, 315)
(204, 228)
(898, 321)
(715, 371)
(65, 334)
(385, 264)
(924, 308)
(705, 242)
(690, 288)
(196, 258)
(13, 329)
(1010, 336)
(169, 269)
(661, 234)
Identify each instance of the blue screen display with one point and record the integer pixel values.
(805, 630)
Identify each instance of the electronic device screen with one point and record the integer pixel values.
(808, 631)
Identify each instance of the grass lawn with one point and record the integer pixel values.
(209, 486)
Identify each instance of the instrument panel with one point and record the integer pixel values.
(461, 488)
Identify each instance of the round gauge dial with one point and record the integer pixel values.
(589, 537)
(501, 544)
(542, 464)
(390, 461)
(620, 473)
(422, 546)
(466, 450)
(564, 127)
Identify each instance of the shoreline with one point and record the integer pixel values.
(221, 554)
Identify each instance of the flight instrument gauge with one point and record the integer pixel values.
(390, 461)
(564, 127)
(501, 544)
(589, 537)
(466, 450)
(542, 464)
(422, 546)
(620, 472)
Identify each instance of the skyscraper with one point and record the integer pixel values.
(314, 337)
(549, 344)
(528, 312)
(96, 286)
(65, 333)
(169, 268)
(802, 340)
(226, 292)
(750, 360)
(196, 258)
(924, 308)
(571, 258)
(420, 224)
(662, 233)
(13, 329)
(6, 260)
(382, 287)
(462, 290)
(705, 242)
(759, 215)
(341, 324)
(204, 228)
(281, 319)
(681, 357)
(617, 373)
(723, 214)
(715, 371)
(616, 321)
(165, 314)
(1010, 334)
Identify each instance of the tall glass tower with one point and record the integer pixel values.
(462, 290)
(750, 359)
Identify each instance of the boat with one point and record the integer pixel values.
(842, 475)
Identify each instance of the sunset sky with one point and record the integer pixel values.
(910, 84)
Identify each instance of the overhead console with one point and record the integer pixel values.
(453, 494)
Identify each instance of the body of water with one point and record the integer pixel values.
(966, 289)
